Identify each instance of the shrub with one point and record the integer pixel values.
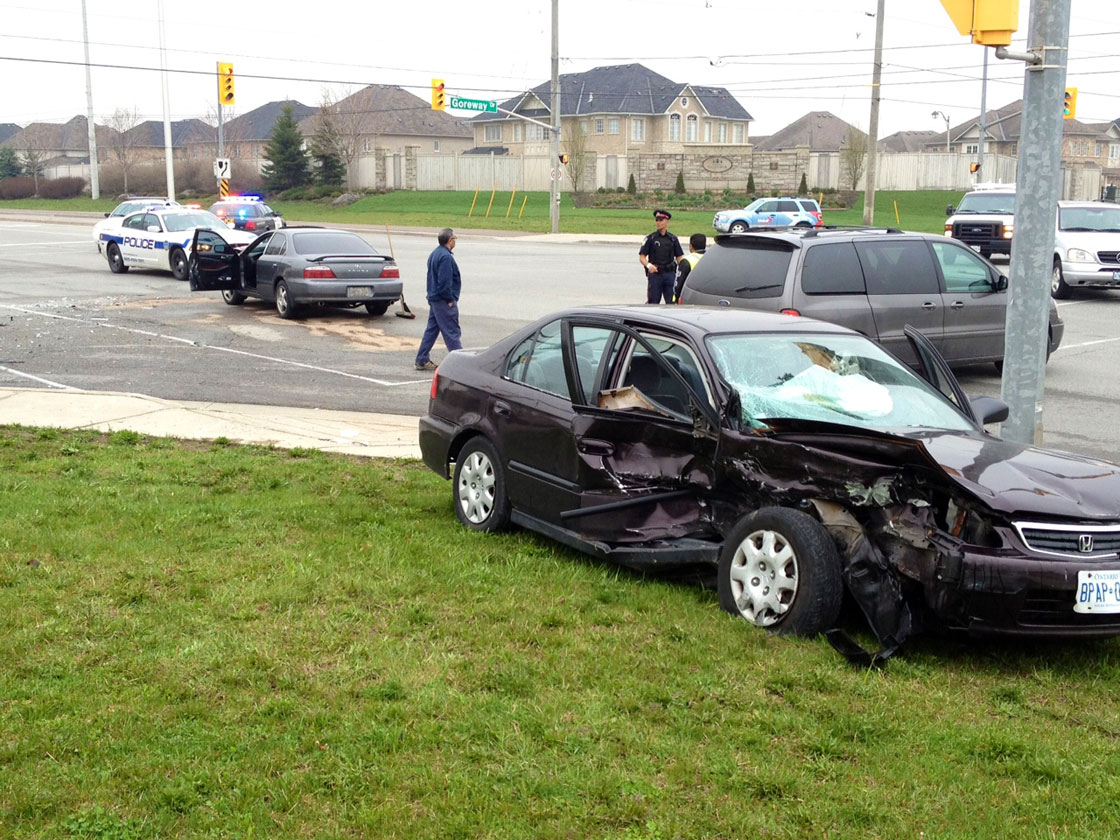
(750, 184)
(632, 185)
(61, 187)
(678, 187)
(803, 187)
(22, 187)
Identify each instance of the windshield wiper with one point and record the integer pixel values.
(758, 288)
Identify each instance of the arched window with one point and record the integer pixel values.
(675, 127)
(691, 129)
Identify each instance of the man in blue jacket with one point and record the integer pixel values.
(444, 284)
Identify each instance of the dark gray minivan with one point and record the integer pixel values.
(874, 280)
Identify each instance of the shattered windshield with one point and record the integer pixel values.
(843, 379)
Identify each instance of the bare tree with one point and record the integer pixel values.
(346, 120)
(35, 154)
(575, 144)
(854, 154)
(124, 143)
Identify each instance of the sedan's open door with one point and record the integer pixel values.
(214, 264)
(935, 370)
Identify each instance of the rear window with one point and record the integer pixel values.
(752, 269)
(331, 242)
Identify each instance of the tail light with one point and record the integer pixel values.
(791, 312)
(390, 272)
(318, 272)
(435, 383)
(250, 225)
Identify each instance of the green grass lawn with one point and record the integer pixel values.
(215, 641)
(921, 210)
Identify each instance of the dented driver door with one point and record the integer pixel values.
(646, 437)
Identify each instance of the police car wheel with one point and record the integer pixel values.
(285, 306)
(116, 261)
(178, 264)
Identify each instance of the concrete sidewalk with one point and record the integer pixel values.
(350, 432)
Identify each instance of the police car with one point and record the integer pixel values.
(247, 212)
(130, 205)
(160, 237)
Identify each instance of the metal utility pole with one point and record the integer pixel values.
(94, 180)
(873, 128)
(167, 151)
(1037, 190)
(554, 184)
(983, 119)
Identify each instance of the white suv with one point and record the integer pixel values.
(1086, 247)
(985, 219)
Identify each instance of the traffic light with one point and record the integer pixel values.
(1069, 104)
(564, 158)
(225, 83)
(974, 168)
(990, 22)
(439, 99)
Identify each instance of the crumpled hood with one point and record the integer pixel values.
(1018, 479)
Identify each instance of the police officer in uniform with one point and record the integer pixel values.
(659, 255)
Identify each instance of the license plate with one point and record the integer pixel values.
(1098, 592)
(358, 291)
(1116, 275)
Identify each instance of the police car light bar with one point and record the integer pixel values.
(245, 197)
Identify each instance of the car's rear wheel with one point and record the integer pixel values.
(285, 306)
(378, 307)
(803, 225)
(178, 264)
(1059, 289)
(479, 492)
(738, 227)
(232, 298)
(779, 569)
(116, 261)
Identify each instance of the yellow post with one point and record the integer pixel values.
(524, 201)
(473, 200)
(510, 208)
(897, 219)
(493, 192)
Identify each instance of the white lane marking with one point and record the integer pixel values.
(1088, 343)
(50, 244)
(46, 382)
(193, 343)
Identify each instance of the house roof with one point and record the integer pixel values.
(8, 130)
(388, 109)
(821, 131)
(258, 123)
(72, 136)
(911, 141)
(1006, 125)
(183, 132)
(618, 89)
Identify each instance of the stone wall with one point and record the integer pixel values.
(723, 167)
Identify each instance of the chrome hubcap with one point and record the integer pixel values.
(764, 577)
(476, 488)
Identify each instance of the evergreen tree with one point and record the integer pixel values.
(632, 186)
(750, 184)
(678, 188)
(327, 147)
(286, 160)
(10, 166)
(803, 187)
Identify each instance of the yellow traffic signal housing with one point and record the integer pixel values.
(439, 96)
(990, 22)
(1069, 104)
(225, 83)
(974, 168)
(564, 158)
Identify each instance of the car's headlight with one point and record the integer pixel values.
(1008, 230)
(1078, 255)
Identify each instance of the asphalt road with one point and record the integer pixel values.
(65, 320)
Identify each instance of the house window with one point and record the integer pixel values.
(737, 133)
(707, 131)
(493, 132)
(365, 144)
(517, 132)
(1114, 151)
(598, 126)
(1014, 149)
(612, 125)
(435, 145)
(1098, 154)
(684, 101)
(691, 126)
(536, 132)
(638, 129)
(971, 148)
(723, 132)
(675, 127)
(583, 126)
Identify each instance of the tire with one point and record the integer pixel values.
(802, 225)
(738, 227)
(233, 298)
(116, 261)
(779, 569)
(178, 262)
(285, 306)
(479, 488)
(378, 307)
(1059, 290)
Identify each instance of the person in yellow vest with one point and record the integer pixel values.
(697, 245)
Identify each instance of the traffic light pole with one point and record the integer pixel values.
(873, 128)
(1037, 190)
(554, 183)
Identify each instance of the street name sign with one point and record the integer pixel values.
(487, 106)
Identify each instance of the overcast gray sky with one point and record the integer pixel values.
(780, 60)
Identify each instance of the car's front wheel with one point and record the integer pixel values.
(779, 569)
(232, 298)
(285, 306)
(1059, 289)
(738, 227)
(378, 307)
(116, 261)
(178, 264)
(479, 490)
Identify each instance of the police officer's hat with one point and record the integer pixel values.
(662, 214)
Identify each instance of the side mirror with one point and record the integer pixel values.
(153, 228)
(949, 210)
(106, 215)
(989, 410)
(999, 283)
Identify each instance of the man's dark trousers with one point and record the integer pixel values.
(442, 318)
(660, 284)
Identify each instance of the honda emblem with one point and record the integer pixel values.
(1085, 543)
